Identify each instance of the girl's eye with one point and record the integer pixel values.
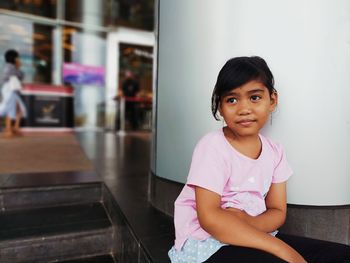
(255, 98)
(231, 100)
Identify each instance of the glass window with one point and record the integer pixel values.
(34, 44)
(139, 60)
(136, 13)
(85, 47)
(85, 54)
(46, 8)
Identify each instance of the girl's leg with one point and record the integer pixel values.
(19, 116)
(228, 254)
(10, 114)
(318, 250)
(8, 132)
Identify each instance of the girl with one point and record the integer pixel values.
(235, 196)
(12, 106)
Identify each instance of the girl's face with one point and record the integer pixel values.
(18, 62)
(247, 108)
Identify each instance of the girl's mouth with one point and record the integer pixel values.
(245, 123)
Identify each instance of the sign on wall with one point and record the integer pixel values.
(75, 73)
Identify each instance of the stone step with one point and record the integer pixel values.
(17, 198)
(53, 234)
(94, 259)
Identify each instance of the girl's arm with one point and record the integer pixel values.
(275, 215)
(228, 228)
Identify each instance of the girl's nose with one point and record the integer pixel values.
(244, 108)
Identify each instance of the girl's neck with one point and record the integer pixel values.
(249, 146)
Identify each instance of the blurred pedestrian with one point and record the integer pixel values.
(12, 106)
(130, 90)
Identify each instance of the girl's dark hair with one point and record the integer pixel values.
(235, 73)
(11, 55)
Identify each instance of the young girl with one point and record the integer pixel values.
(234, 200)
(11, 105)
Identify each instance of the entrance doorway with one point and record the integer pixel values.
(129, 50)
(135, 87)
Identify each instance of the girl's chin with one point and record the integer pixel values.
(245, 132)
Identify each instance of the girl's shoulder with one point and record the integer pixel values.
(8, 68)
(271, 146)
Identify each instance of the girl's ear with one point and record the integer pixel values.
(273, 101)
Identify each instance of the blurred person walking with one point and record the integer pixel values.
(129, 91)
(11, 105)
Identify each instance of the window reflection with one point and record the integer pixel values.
(136, 13)
(33, 42)
(86, 49)
(139, 60)
(45, 8)
(83, 43)
(84, 46)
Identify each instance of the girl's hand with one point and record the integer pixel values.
(286, 253)
(227, 227)
(275, 213)
(291, 256)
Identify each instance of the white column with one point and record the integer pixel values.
(306, 44)
(92, 53)
(57, 47)
(57, 56)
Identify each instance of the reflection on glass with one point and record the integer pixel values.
(136, 13)
(34, 44)
(88, 50)
(80, 46)
(139, 60)
(46, 8)
(136, 64)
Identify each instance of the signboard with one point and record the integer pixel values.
(48, 106)
(75, 73)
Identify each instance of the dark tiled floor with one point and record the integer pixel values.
(123, 163)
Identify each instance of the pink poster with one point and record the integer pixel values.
(75, 73)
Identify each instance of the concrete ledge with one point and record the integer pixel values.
(330, 223)
(163, 193)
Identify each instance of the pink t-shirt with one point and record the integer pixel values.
(241, 182)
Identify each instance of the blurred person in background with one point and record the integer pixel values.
(11, 105)
(130, 90)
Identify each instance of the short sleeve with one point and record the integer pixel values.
(208, 168)
(282, 169)
(14, 83)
